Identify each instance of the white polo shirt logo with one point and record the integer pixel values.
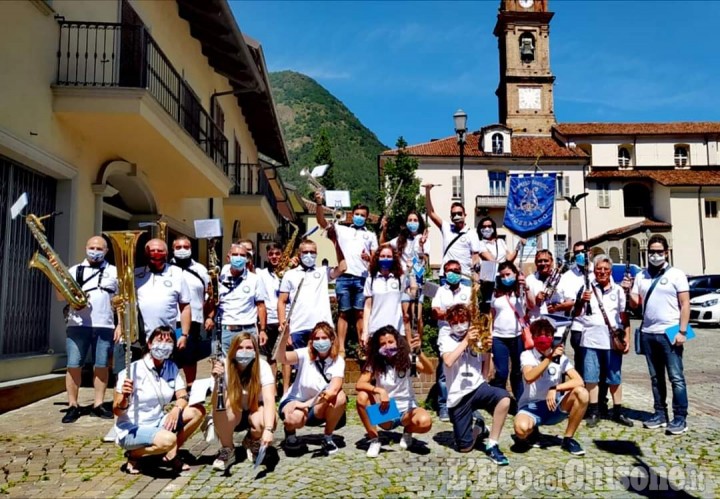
(463, 297)
(552, 370)
(613, 297)
(168, 284)
(394, 285)
(463, 239)
(365, 236)
(316, 274)
(246, 289)
(664, 281)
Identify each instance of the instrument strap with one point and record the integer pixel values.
(80, 270)
(656, 279)
(460, 234)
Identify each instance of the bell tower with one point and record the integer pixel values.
(525, 92)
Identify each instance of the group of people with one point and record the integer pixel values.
(379, 286)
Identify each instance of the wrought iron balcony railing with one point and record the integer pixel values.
(101, 55)
(250, 179)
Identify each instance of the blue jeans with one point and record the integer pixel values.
(506, 352)
(485, 397)
(442, 386)
(227, 335)
(579, 359)
(661, 356)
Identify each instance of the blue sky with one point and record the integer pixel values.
(403, 67)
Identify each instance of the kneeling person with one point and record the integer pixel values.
(249, 383)
(316, 395)
(387, 375)
(465, 372)
(545, 400)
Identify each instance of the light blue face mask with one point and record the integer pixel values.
(244, 357)
(322, 346)
(95, 255)
(580, 259)
(238, 262)
(358, 220)
(507, 281)
(413, 226)
(452, 278)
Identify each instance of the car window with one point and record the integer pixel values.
(715, 282)
(698, 282)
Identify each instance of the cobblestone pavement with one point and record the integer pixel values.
(40, 456)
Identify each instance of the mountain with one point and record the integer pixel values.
(305, 108)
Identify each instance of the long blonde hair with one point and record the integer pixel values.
(243, 379)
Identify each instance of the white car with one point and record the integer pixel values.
(705, 309)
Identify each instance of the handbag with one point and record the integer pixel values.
(528, 342)
(638, 331)
(617, 335)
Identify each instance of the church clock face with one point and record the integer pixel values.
(526, 4)
(530, 98)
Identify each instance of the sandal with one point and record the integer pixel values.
(131, 467)
(176, 464)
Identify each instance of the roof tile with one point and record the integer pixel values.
(663, 177)
(676, 128)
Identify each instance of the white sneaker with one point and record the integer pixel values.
(374, 449)
(110, 436)
(208, 428)
(406, 441)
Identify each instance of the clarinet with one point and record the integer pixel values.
(414, 332)
(628, 308)
(218, 354)
(586, 272)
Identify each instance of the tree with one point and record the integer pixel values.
(322, 155)
(401, 169)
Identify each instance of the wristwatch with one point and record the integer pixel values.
(683, 332)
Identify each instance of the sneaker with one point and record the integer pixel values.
(406, 441)
(252, 447)
(374, 448)
(444, 415)
(623, 420)
(482, 430)
(677, 426)
(496, 456)
(329, 446)
(72, 414)
(225, 458)
(110, 436)
(592, 421)
(572, 446)
(208, 429)
(659, 420)
(101, 412)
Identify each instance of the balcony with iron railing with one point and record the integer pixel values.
(492, 201)
(252, 190)
(112, 60)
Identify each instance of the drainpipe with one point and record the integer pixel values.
(702, 234)
(586, 202)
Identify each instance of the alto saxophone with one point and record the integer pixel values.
(284, 263)
(481, 321)
(53, 267)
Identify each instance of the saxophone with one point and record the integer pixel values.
(53, 267)
(123, 243)
(479, 320)
(286, 256)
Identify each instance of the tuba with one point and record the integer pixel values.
(53, 267)
(479, 320)
(123, 244)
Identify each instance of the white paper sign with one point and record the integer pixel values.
(337, 199)
(208, 228)
(200, 389)
(488, 271)
(319, 171)
(19, 205)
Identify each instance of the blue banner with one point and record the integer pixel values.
(531, 199)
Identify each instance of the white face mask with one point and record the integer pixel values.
(308, 259)
(244, 357)
(161, 351)
(656, 260)
(486, 233)
(182, 253)
(460, 329)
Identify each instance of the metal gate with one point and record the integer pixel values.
(24, 294)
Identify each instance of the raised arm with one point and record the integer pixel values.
(429, 207)
(319, 211)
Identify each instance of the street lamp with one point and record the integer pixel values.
(460, 119)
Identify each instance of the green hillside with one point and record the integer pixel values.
(305, 108)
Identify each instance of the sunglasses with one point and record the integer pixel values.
(457, 213)
(656, 252)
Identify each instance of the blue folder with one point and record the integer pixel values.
(672, 332)
(378, 417)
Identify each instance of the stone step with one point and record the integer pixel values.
(20, 392)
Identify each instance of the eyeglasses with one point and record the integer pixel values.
(486, 226)
(656, 252)
(602, 271)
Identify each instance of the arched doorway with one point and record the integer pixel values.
(632, 251)
(615, 254)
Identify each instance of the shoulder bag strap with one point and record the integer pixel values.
(319, 367)
(602, 310)
(520, 319)
(460, 234)
(647, 296)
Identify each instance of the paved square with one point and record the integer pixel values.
(42, 457)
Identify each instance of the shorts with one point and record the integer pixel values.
(395, 422)
(312, 419)
(300, 339)
(191, 353)
(144, 435)
(272, 331)
(81, 338)
(542, 415)
(596, 362)
(227, 335)
(406, 298)
(349, 292)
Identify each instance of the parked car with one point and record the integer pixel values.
(703, 284)
(705, 309)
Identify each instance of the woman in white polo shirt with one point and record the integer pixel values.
(387, 375)
(316, 395)
(142, 427)
(249, 382)
(383, 293)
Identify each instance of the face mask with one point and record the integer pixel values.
(388, 352)
(322, 346)
(460, 329)
(244, 357)
(452, 278)
(182, 254)
(385, 263)
(507, 281)
(457, 218)
(413, 226)
(95, 255)
(543, 343)
(161, 351)
(358, 220)
(486, 233)
(656, 260)
(580, 259)
(308, 259)
(238, 262)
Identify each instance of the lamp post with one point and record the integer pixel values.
(460, 119)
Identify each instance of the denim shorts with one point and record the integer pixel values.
(141, 436)
(349, 292)
(227, 335)
(312, 419)
(597, 361)
(406, 298)
(542, 415)
(300, 339)
(80, 339)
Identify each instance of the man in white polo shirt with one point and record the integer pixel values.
(242, 299)
(197, 279)
(459, 241)
(666, 306)
(358, 245)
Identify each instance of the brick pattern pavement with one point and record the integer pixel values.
(40, 456)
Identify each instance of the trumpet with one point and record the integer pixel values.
(312, 180)
(339, 213)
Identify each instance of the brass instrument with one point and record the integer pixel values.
(481, 321)
(214, 272)
(53, 267)
(338, 213)
(287, 254)
(161, 228)
(314, 183)
(123, 243)
(553, 281)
